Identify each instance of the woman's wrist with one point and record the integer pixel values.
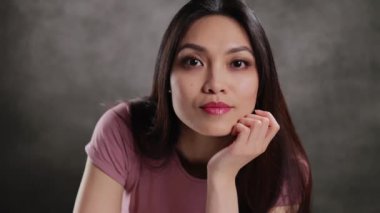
(217, 179)
(221, 194)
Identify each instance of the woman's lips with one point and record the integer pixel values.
(216, 108)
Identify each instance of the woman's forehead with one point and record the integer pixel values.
(216, 31)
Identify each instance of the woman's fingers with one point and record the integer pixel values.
(242, 132)
(265, 124)
(251, 141)
(274, 127)
(249, 145)
(260, 128)
(265, 121)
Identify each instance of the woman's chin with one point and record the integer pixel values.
(211, 130)
(216, 132)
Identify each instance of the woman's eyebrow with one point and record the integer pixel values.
(203, 49)
(192, 46)
(238, 49)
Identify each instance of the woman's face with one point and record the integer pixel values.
(214, 63)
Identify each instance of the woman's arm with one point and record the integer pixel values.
(98, 192)
(254, 133)
(221, 196)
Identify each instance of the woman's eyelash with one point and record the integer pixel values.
(185, 61)
(189, 61)
(246, 63)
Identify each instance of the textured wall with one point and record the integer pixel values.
(61, 62)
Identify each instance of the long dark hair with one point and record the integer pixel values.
(156, 127)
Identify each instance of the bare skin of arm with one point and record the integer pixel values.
(98, 192)
(254, 133)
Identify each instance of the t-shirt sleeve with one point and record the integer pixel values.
(285, 199)
(111, 149)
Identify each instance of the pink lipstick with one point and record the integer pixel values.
(216, 108)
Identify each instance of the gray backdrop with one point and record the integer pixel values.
(63, 62)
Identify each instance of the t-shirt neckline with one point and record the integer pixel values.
(184, 172)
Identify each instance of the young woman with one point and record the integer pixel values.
(215, 134)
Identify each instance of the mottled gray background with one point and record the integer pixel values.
(63, 62)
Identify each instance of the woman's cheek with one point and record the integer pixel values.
(185, 92)
(248, 87)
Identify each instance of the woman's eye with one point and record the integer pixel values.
(191, 61)
(239, 64)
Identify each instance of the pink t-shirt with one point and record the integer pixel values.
(170, 189)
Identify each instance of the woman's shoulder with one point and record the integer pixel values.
(118, 111)
(132, 118)
(113, 128)
(111, 147)
(116, 117)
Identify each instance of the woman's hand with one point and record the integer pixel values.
(254, 132)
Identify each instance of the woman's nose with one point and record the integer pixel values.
(214, 82)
